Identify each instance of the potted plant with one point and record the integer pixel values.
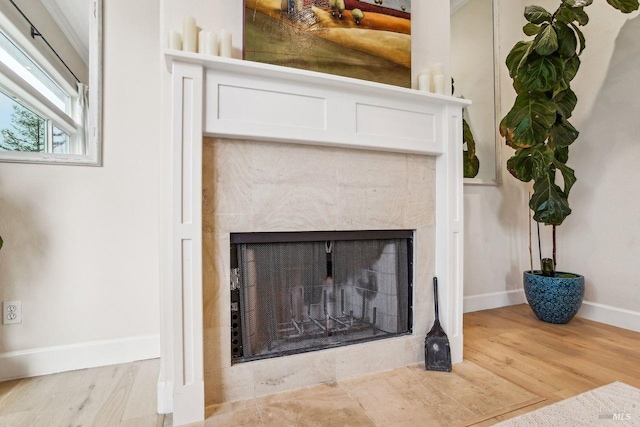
(538, 128)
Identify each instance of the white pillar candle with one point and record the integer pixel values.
(424, 82)
(225, 43)
(202, 42)
(437, 69)
(211, 40)
(174, 40)
(438, 84)
(189, 35)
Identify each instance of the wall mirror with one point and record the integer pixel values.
(51, 81)
(474, 68)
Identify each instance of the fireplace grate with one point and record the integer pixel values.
(296, 296)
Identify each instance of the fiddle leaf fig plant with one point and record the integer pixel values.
(537, 126)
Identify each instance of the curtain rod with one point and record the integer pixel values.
(35, 33)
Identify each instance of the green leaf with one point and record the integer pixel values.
(568, 175)
(546, 42)
(571, 66)
(519, 52)
(540, 74)
(1, 243)
(580, 37)
(562, 134)
(578, 3)
(581, 16)
(536, 14)
(565, 102)
(561, 86)
(561, 154)
(624, 6)
(567, 42)
(529, 121)
(548, 202)
(530, 163)
(467, 138)
(471, 164)
(531, 29)
(566, 15)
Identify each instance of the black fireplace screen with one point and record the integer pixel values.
(310, 291)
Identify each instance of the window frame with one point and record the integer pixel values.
(88, 130)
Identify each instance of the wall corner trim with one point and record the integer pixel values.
(493, 300)
(614, 316)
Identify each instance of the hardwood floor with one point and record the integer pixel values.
(513, 364)
(552, 361)
(109, 396)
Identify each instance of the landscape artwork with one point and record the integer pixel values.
(363, 39)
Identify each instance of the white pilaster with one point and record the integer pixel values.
(188, 382)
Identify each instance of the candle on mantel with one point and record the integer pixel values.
(438, 84)
(211, 40)
(174, 40)
(424, 82)
(202, 42)
(225, 43)
(189, 34)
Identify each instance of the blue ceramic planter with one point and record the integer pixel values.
(554, 299)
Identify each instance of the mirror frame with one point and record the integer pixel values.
(93, 147)
(497, 180)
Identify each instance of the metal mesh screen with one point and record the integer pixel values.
(303, 296)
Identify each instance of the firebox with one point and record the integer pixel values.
(298, 292)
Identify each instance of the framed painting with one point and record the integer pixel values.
(363, 39)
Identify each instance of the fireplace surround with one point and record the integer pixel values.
(219, 118)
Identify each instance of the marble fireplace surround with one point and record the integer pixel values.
(245, 134)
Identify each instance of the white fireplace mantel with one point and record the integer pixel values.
(229, 98)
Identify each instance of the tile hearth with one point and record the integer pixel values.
(407, 396)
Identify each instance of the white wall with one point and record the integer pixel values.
(82, 243)
(496, 242)
(601, 238)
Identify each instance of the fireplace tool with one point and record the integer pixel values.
(437, 352)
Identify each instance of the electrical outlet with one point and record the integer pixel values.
(11, 312)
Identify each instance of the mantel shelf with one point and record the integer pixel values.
(263, 102)
(232, 65)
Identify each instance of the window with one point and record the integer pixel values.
(36, 114)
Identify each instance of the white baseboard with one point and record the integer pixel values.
(614, 316)
(493, 300)
(165, 397)
(51, 360)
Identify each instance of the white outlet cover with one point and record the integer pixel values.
(11, 312)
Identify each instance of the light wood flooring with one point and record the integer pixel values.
(513, 364)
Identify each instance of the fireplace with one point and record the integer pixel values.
(263, 149)
(298, 292)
